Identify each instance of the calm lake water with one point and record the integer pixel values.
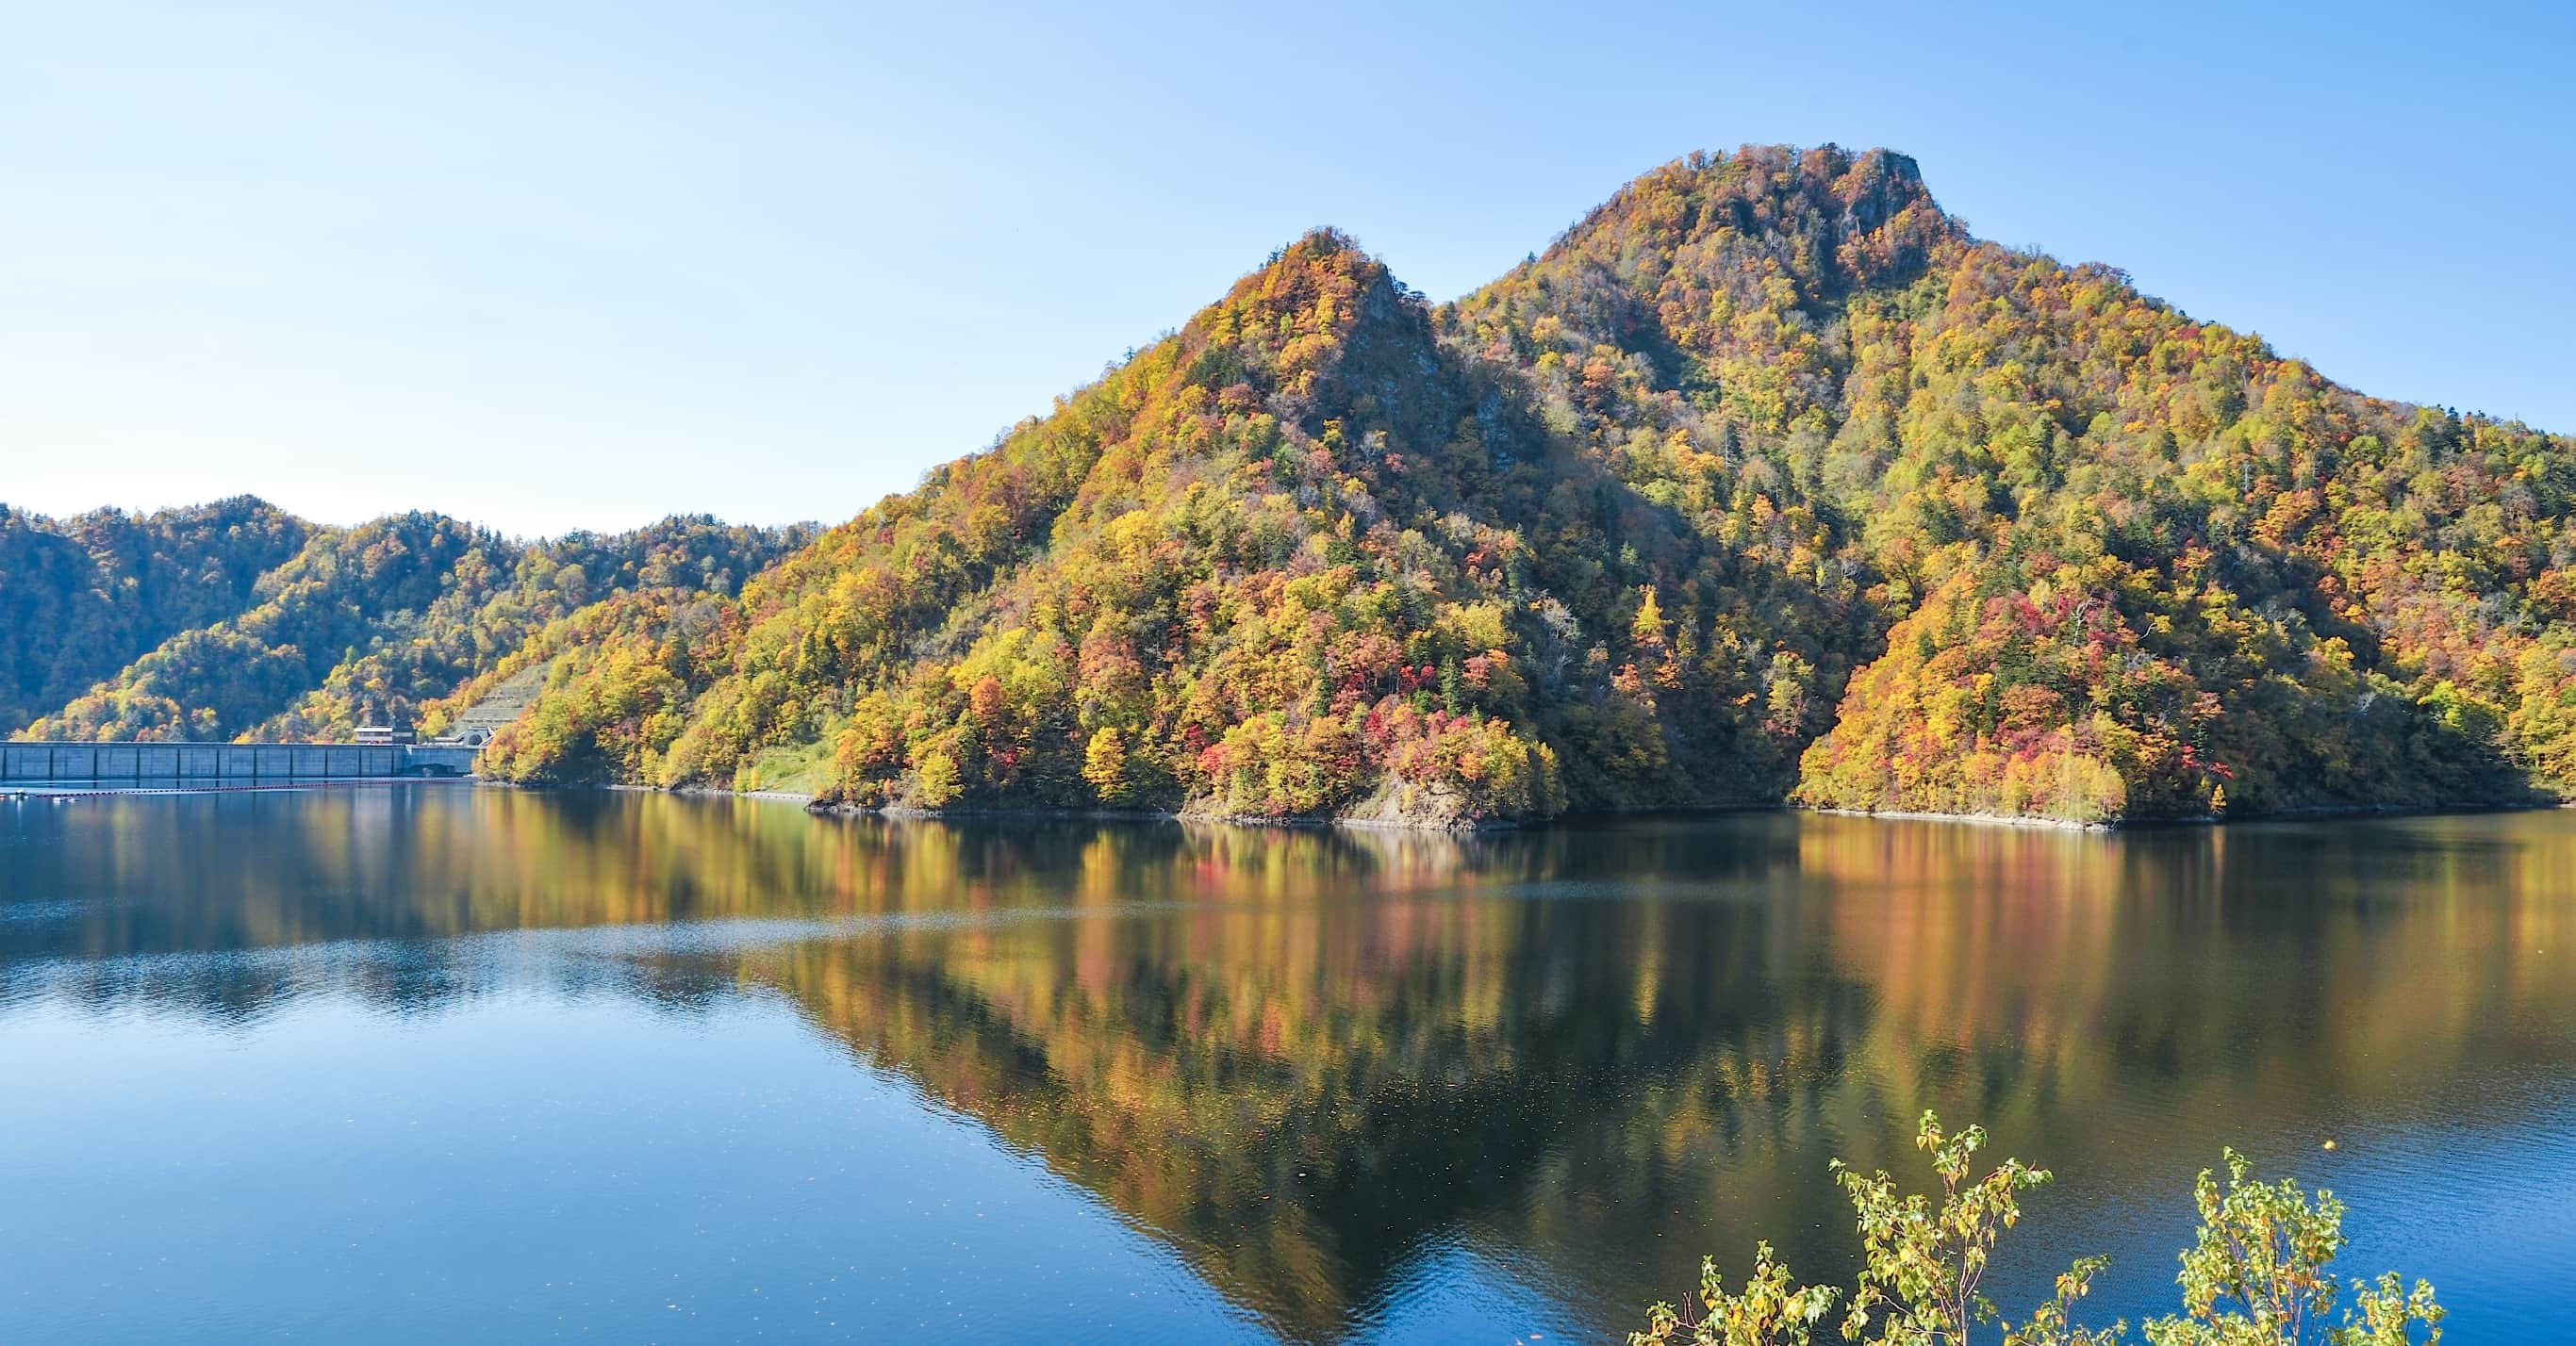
(444, 1063)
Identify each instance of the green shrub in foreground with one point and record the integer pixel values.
(2255, 1274)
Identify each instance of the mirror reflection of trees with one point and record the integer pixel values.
(1300, 1056)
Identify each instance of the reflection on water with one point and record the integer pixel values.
(1357, 1084)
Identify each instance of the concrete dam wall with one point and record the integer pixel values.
(227, 763)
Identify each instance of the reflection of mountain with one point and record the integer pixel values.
(1347, 1052)
(1300, 1055)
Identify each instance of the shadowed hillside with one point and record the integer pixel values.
(82, 597)
(373, 621)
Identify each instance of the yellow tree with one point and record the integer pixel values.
(1104, 764)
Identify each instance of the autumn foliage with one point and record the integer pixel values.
(1765, 481)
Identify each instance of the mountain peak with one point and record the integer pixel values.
(1830, 221)
(1766, 481)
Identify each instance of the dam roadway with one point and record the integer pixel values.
(224, 765)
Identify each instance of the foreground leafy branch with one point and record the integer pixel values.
(1768, 1311)
(2255, 1274)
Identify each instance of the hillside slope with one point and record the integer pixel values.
(1767, 480)
(80, 598)
(374, 621)
(1299, 559)
(2131, 564)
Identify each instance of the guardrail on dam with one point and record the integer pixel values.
(203, 764)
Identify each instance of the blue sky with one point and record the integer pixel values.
(569, 266)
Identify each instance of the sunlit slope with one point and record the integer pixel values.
(1766, 480)
(1302, 558)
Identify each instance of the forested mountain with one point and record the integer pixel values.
(1765, 481)
(2119, 563)
(81, 597)
(490, 609)
(1233, 574)
(372, 621)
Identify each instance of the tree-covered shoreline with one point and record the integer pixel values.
(1765, 482)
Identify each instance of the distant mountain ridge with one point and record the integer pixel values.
(338, 624)
(82, 597)
(1766, 481)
